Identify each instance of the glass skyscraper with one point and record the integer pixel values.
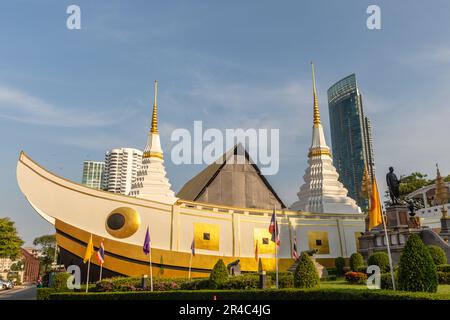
(351, 136)
(93, 174)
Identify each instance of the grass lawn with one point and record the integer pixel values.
(444, 288)
(342, 284)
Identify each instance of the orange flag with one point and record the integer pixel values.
(375, 218)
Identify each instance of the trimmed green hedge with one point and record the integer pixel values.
(438, 255)
(282, 294)
(44, 293)
(443, 267)
(443, 277)
(386, 281)
(285, 279)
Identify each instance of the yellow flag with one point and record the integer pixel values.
(89, 251)
(375, 218)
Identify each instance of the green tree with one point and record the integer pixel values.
(17, 266)
(306, 275)
(10, 242)
(438, 255)
(356, 261)
(47, 244)
(219, 274)
(417, 271)
(412, 182)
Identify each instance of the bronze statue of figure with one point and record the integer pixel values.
(394, 186)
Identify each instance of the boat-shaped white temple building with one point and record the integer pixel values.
(226, 209)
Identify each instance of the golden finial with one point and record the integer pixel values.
(316, 102)
(366, 184)
(155, 111)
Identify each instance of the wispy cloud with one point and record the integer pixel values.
(17, 105)
(433, 55)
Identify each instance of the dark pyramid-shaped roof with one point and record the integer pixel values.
(224, 183)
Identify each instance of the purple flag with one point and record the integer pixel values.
(146, 246)
(193, 247)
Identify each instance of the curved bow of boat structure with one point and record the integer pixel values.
(220, 232)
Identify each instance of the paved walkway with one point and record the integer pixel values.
(26, 293)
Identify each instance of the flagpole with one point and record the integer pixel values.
(389, 252)
(151, 271)
(190, 266)
(87, 280)
(276, 246)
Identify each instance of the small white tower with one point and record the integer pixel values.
(151, 182)
(322, 192)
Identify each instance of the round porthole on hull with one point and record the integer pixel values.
(123, 222)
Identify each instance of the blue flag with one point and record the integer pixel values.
(146, 246)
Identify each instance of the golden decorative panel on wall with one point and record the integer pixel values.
(206, 236)
(319, 240)
(263, 236)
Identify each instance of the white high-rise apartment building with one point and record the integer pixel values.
(121, 166)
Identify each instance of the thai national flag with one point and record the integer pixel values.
(273, 229)
(101, 253)
(193, 247)
(294, 249)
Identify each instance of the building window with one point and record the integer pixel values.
(265, 240)
(206, 236)
(318, 242)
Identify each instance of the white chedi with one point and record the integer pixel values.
(151, 182)
(322, 192)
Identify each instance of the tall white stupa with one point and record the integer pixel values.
(151, 182)
(322, 192)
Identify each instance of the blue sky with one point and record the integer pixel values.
(67, 96)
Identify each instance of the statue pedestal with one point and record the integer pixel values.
(397, 216)
(445, 227)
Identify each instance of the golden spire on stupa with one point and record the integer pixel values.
(316, 101)
(154, 128)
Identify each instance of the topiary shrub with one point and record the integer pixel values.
(285, 279)
(306, 275)
(60, 281)
(339, 264)
(443, 277)
(362, 269)
(438, 255)
(386, 281)
(242, 282)
(218, 274)
(417, 271)
(356, 262)
(380, 259)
